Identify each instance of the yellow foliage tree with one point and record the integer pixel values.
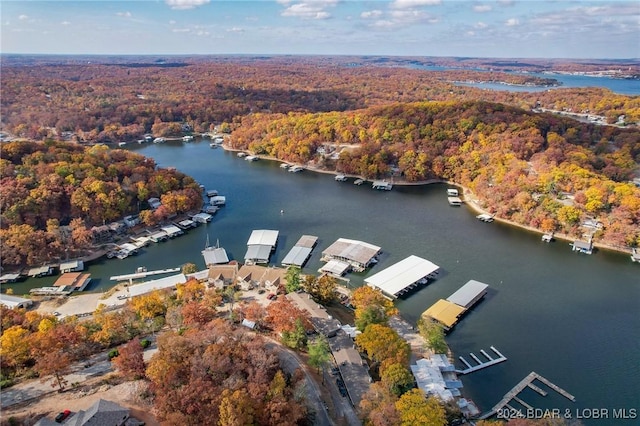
(416, 409)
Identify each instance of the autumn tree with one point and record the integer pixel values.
(383, 344)
(130, 361)
(417, 409)
(397, 378)
(14, 346)
(321, 288)
(371, 307)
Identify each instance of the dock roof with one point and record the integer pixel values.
(468, 294)
(353, 250)
(215, 255)
(308, 241)
(297, 256)
(445, 312)
(399, 276)
(14, 301)
(263, 237)
(258, 253)
(336, 268)
(72, 264)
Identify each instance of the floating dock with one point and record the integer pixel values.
(481, 364)
(527, 382)
(143, 274)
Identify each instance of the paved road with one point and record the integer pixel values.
(290, 363)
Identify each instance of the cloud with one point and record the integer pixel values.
(482, 8)
(480, 25)
(180, 30)
(235, 30)
(512, 22)
(23, 17)
(65, 23)
(309, 10)
(124, 14)
(185, 4)
(401, 18)
(371, 14)
(410, 4)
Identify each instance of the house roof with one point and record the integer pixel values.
(103, 412)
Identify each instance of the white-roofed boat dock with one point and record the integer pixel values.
(358, 254)
(300, 253)
(260, 245)
(142, 274)
(403, 276)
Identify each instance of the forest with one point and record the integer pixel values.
(551, 173)
(387, 119)
(53, 193)
(111, 100)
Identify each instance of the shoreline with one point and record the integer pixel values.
(469, 199)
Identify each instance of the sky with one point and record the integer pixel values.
(497, 28)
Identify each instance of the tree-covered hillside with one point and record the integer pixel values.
(539, 170)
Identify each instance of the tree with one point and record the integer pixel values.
(189, 268)
(14, 346)
(319, 352)
(416, 409)
(296, 338)
(382, 344)
(149, 306)
(373, 314)
(130, 360)
(236, 408)
(292, 278)
(397, 378)
(433, 333)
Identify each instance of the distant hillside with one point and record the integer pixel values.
(539, 170)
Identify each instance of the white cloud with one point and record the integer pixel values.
(185, 4)
(512, 22)
(23, 17)
(172, 22)
(371, 14)
(310, 10)
(235, 30)
(65, 23)
(480, 25)
(124, 14)
(180, 30)
(410, 4)
(482, 8)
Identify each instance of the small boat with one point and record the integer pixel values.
(295, 169)
(122, 144)
(382, 185)
(340, 178)
(251, 158)
(141, 141)
(547, 238)
(187, 138)
(484, 217)
(241, 154)
(284, 166)
(212, 193)
(159, 140)
(358, 182)
(452, 192)
(213, 145)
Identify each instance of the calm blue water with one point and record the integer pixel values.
(621, 86)
(571, 318)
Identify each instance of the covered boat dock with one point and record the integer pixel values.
(260, 245)
(403, 276)
(358, 254)
(448, 312)
(300, 253)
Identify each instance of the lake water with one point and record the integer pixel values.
(571, 318)
(616, 85)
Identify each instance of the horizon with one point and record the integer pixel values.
(545, 30)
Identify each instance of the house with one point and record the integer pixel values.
(220, 276)
(131, 220)
(103, 412)
(261, 276)
(154, 203)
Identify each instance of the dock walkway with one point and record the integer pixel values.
(524, 383)
(481, 364)
(144, 274)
